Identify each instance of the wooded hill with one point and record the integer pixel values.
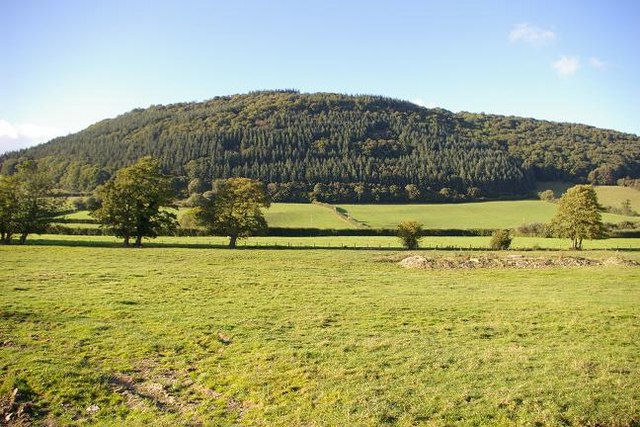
(340, 148)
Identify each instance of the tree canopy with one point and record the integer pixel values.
(234, 209)
(26, 205)
(578, 216)
(132, 202)
(359, 148)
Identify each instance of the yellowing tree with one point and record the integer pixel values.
(578, 216)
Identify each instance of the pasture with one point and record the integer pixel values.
(503, 214)
(339, 242)
(179, 336)
(613, 196)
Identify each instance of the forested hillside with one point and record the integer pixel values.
(340, 148)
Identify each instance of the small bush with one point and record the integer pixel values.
(535, 229)
(547, 195)
(410, 233)
(500, 240)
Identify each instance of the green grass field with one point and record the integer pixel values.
(304, 215)
(506, 214)
(339, 242)
(503, 214)
(177, 336)
(614, 196)
(289, 215)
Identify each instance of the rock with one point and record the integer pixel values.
(93, 409)
(416, 261)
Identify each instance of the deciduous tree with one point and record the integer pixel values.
(26, 202)
(235, 209)
(578, 216)
(132, 202)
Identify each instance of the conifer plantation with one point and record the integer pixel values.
(339, 148)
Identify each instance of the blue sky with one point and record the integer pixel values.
(67, 64)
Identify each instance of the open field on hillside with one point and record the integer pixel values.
(288, 215)
(347, 242)
(179, 336)
(507, 214)
(608, 195)
(304, 215)
(504, 214)
(614, 196)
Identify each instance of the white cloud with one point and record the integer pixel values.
(566, 66)
(421, 102)
(14, 137)
(597, 63)
(531, 34)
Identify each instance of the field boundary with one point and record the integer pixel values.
(343, 214)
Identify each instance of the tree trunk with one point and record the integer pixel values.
(232, 241)
(138, 242)
(126, 241)
(23, 238)
(580, 244)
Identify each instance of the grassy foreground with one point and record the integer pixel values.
(178, 336)
(342, 242)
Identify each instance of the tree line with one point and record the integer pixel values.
(356, 149)
(131, 205)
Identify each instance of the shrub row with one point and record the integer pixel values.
(60, 228)
(76, 221)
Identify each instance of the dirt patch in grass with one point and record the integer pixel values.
(508, 261)
(12, 411)
(169, 391)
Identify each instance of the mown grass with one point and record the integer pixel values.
(614, 196)
(304, 215)
(504, 214)
(288, 215)
(177, 336)
(508, 214)
(361, 242)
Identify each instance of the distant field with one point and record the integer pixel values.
(615, 195)
(212, 337)
(292, 215)
(506, 214)
(503, 214)
(304, 215)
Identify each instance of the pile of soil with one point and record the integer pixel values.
(508, 261)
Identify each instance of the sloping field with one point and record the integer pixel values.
(304, 215)
(506, 214)
(611, 195)
(503, 214)
(289, 215)
(212, 337)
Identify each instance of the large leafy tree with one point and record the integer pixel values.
(578, 216)
(132, 202)
(235, 209)
(26, 202)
